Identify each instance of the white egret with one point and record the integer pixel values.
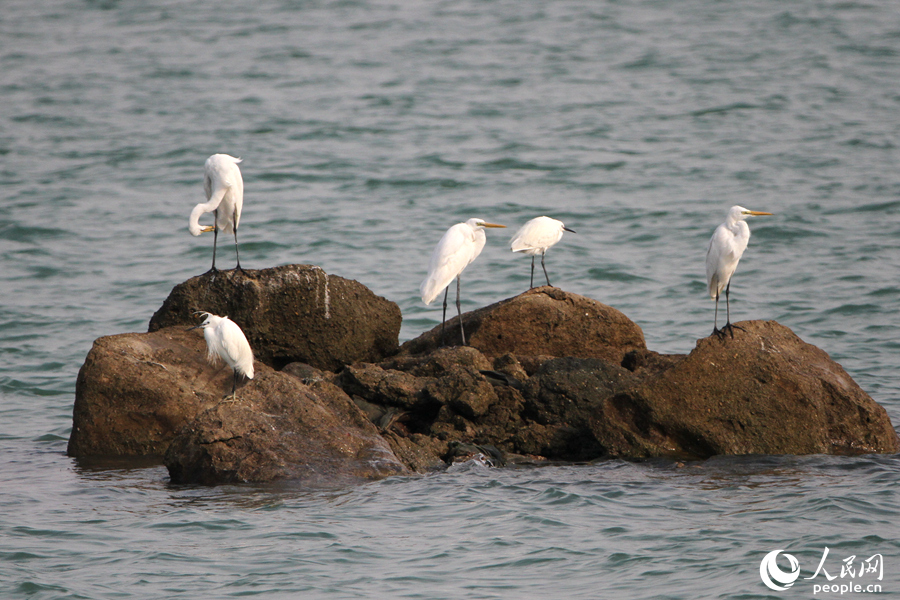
(458, 247)
(726, 247)
(535, 237)
(224, 189)
(226, 341)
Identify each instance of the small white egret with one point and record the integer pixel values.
(226, 341)
(459, 246)
(224, 189)
(535, 237)
(726, 247)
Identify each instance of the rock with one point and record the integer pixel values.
(566, 396)
(421, 453)
(136, 391)
(292, 313)
(155, 394)
(549, 376)
(464, 390)
(439, 361)
(374, 384)
(542, 321)
(279, 428)
(765, 391)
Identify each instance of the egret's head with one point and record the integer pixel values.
(207, 319)
(481, 224)
(196, 229)
(739, 213)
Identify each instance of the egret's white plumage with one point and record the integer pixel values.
(536, 237)
(226, 341)
(725, 249)
(459, 246)
(224, 189)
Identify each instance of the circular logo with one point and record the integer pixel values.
(773, 576)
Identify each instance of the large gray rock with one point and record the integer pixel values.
(292, 313)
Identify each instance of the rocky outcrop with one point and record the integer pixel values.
(549, 376)
(544, 321)
(280, 428)
(136, 391)
(292, 313)
(764, 391)
(155, 394)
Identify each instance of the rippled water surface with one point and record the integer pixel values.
(366, 130)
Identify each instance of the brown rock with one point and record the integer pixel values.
(464, 390)
(155, 394)
(419, 452)
(566, 396)
(381, 386)
(278, 428)
(439, 361)
(541, 321)
(291, 313)
(135, 392)
(765, 391)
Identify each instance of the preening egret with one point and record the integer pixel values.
(726, 247)
(226, 341)
(224, 189)
(535, 237)
(459, 246)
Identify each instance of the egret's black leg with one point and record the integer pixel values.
(459, 312)
(728, 326)
(716, 330)
(236, 253)
(531, 281)
(545, 269)
(214, 270)
(234, 383)
(727, 306)
(444, 315)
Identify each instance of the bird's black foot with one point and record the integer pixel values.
(211, 273)
(727, 330)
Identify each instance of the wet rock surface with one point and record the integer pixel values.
(292, 313)
(505, 399)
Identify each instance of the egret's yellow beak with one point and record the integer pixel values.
(756, 213)
(208, 228)
(492, 225)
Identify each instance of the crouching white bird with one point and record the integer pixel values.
(224, 189)
(536, 237)
(226, 341)
(459, 246)
(726, 247)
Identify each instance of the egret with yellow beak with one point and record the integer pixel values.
(224, 189)
(726, 247)
(459, 246)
